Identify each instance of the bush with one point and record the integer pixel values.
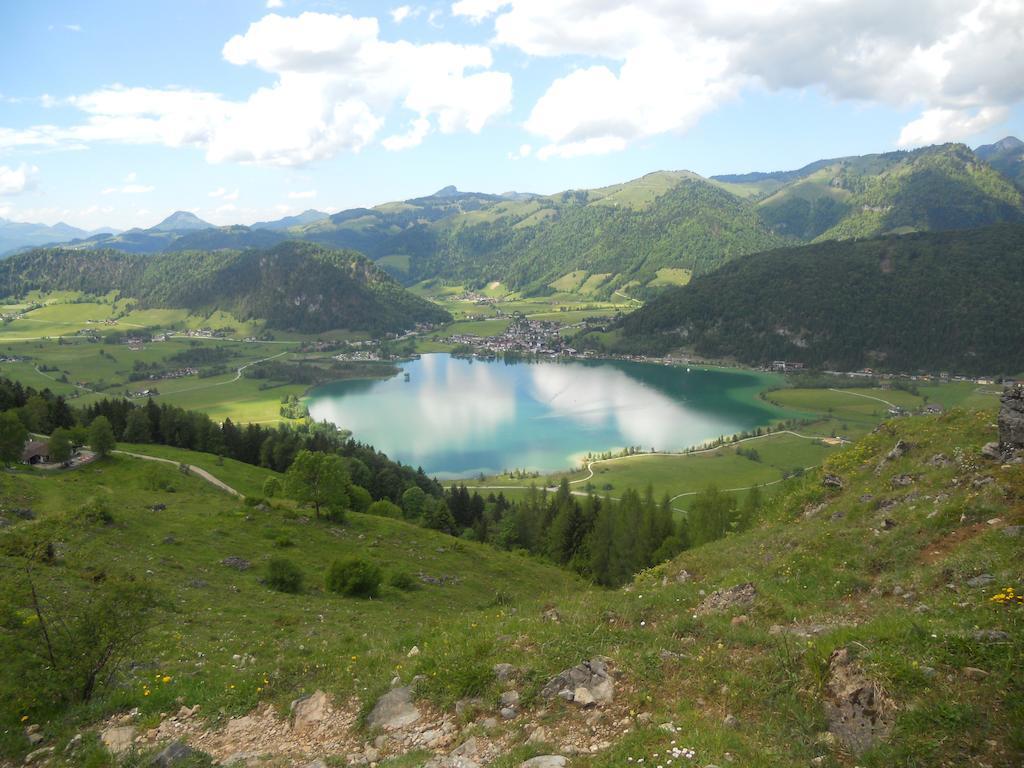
(271, 487)
(96, 512)
(385, 508)
(354, 577)
(336, 514)
(404, 581)
(284, 541)
(284, 576)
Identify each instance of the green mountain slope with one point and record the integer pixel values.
(294, 286)
(1007, 157)
(628, 230)
(853, 624)
(922, 301)
(930, 189)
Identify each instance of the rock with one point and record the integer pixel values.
(393, 710)
(981, 580)
(940, 460)
(238, 563)
(413, 652)
(318, 763)
(158, 507)
(644, 718)
(309, 710)
(239, 725)
(174, 753)
(741, 595)
(469, 748)
(739, 621)
(991, 636)
(118, 739)
(1013, 531)
(510, 699)
(508, 713)
(490, 723)
(1011, 420)
(901, 481)
(552, 614)
(74, 743)
(504, 672)
(666, 655)
(901, 449)
(34, 736)
(973, 673)
(37, 755)
(583, 697)
(859, 714)
(371, 754)
(590, 676)
(991, 451)
(832, 481)
(731, 721)
(545, 761)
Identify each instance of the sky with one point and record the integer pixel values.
(119, 112)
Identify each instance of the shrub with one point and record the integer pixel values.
(271, 487)
(284, 576)
(97, 512)
(385, 508)
(284, 541)
(354, 577)
(336, 514)
(403, 580)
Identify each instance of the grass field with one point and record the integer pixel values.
(671, 276)
(244, 478)
(822, 561)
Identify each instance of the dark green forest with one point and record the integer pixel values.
(925, 301)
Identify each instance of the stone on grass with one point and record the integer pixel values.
(394, 710)
(585, 684)
(740, 596)
(307, 711)
(118, 739)
(174, 753)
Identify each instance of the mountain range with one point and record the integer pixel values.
(628, 237)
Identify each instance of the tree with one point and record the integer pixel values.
(711, 516)
(412, 501)
(61, 447)
(318, 480)
(101, 436)
(12, 438)
(271, 487)
(137, 427)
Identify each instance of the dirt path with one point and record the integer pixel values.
(192, 468)
(858, 394)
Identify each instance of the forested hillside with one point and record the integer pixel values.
(930, 301)
(292, 286)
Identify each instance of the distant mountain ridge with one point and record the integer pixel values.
(18, 234)
(294, 286)
(623, 236)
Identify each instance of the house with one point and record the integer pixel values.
(35, 452)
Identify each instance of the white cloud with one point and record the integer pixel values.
(73, 27)
(308, 194)
(662, 64)
(14, 181)
(403, 12)
(336, 83)
(275, 3)
(937, 125)
(478, 10)
(524, 151)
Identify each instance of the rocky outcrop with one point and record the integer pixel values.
(1011, 421)
(740, 596)
(393, 710)
(587, 684)
(859, 714)
(309, 710)
(119, 739)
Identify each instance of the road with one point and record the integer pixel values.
(192, 468)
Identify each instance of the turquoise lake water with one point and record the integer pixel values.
(457, 417)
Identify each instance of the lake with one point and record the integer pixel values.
(459, 417)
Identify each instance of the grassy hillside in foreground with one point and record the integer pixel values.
(926, 301)
(898, 566)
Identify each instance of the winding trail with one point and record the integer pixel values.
(859, 394)
(192, 468)
(76, 386)
(238, 375)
